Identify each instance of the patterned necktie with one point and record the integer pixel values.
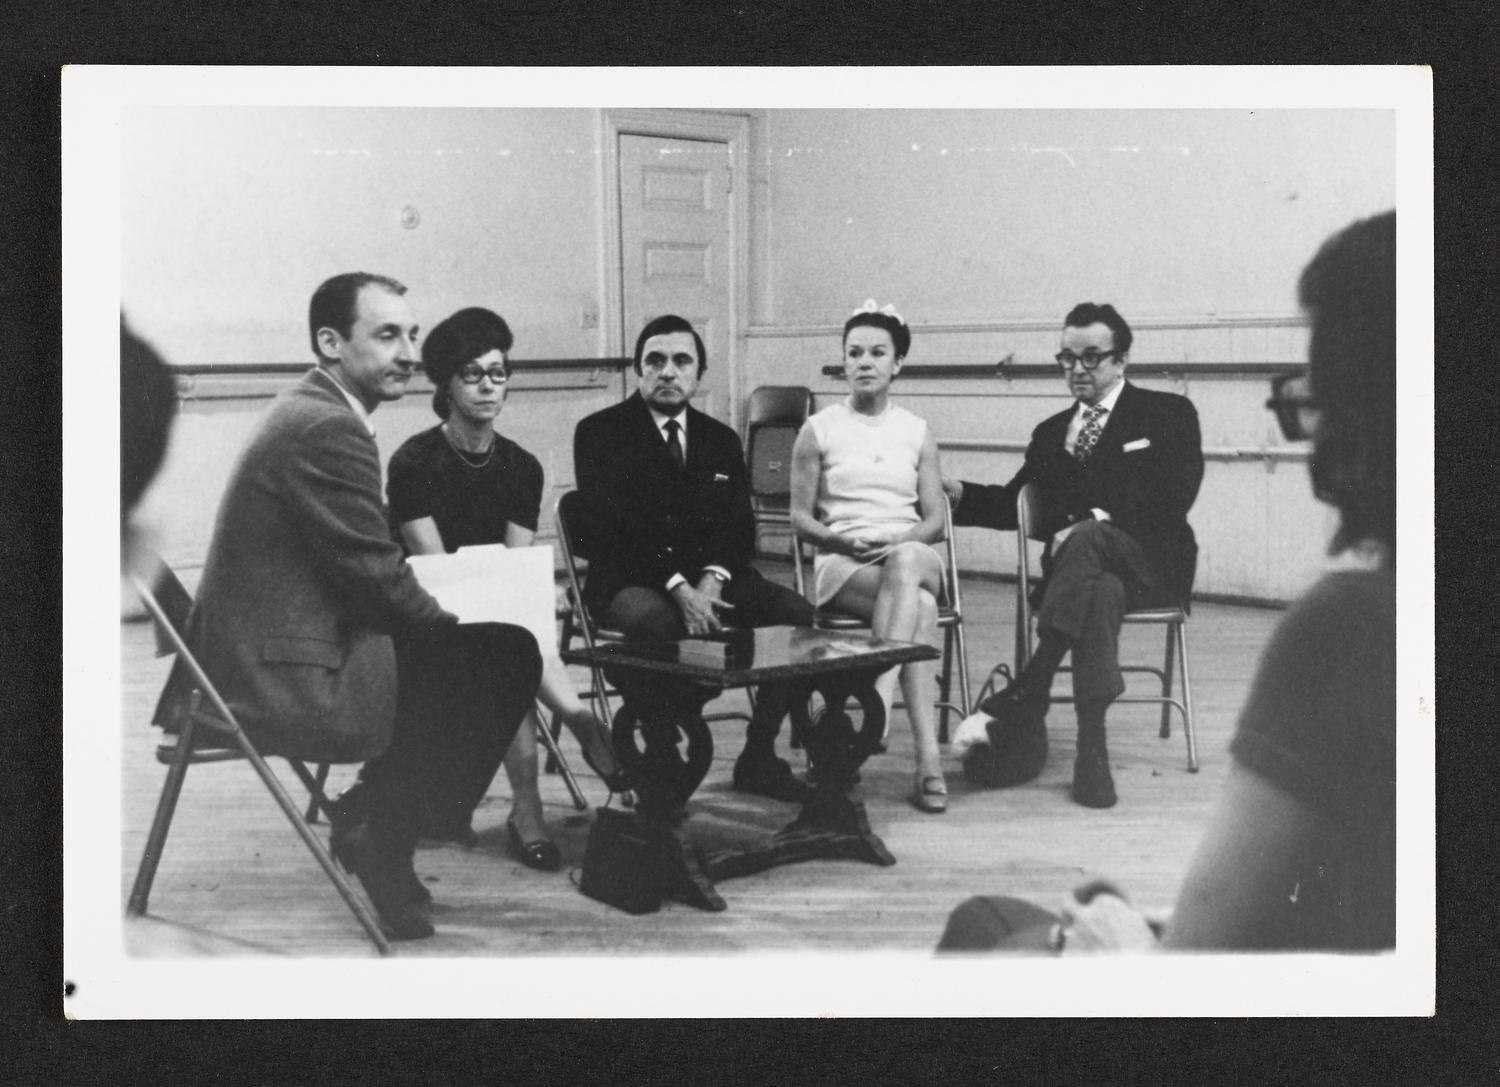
(674, 443)
(1088, 437)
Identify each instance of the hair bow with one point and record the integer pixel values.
(887, 309)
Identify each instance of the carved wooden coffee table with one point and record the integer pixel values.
(839, 665)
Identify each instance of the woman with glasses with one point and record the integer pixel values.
(1301, 851)
(461, 484)
(867, 493)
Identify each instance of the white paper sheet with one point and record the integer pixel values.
(492, 583)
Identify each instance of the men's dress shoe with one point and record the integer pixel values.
(350, 845)
(770, 778)
(1093, 787)
(388, 883)
(540, 854)
(390, 895)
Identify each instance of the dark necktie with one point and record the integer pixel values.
(1088, 437)
(674, 443)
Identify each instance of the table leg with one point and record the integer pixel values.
(832, 824)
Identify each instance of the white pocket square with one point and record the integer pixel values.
(1139, 443)
(720, 477)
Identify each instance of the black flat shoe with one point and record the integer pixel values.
(540, 854)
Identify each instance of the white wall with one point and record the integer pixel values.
(984, 215)
(231, 217)
(982, 226)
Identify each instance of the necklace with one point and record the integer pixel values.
(463, 454)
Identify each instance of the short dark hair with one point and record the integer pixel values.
(457, 341)
(900, 333)
(1088, 313)
(1349, 293)
(665, 325)
(334, 302)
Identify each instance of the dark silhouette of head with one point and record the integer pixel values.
(1349, 293)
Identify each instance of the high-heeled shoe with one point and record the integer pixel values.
(540, 854)
(599, 753)
(930, 794)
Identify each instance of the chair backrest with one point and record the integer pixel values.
(174, 599)
(169, 603)
(776, 414)
(1028, 515)
(568, 515)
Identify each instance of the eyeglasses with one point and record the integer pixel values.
(473, 373)
(1295, 406)
(1090, 359)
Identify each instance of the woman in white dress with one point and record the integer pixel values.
(866, 491)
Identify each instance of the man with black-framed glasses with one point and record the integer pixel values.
(1115, 475)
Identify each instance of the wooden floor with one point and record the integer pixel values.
(236, 881)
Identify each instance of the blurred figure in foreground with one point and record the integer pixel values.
(148, 404)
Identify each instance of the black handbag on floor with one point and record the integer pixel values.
(619, 864)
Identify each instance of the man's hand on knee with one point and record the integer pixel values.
(700, 610)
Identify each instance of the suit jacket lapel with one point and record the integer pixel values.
(1120, 418)
(650, 433)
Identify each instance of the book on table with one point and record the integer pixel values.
(730, 648)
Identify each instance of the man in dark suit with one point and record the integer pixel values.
(304, 587)
(669, 534)
(1115, 476)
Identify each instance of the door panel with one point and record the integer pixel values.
(675, 248)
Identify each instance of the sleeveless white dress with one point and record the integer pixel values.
(868, 482)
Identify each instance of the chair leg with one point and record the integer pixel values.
(321, 779)
(600, 698)
(315, 844)
(161, 823)
(1187, 699)
(1023, 633)
(945, 683)
(963, 669)
(1166, 681)
(555, 757)
(314, 785)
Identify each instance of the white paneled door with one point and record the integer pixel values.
(676, 234)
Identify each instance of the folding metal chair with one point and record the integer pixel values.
(950, 622)
(1173, 618)
(775, 415)
(169, 610)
